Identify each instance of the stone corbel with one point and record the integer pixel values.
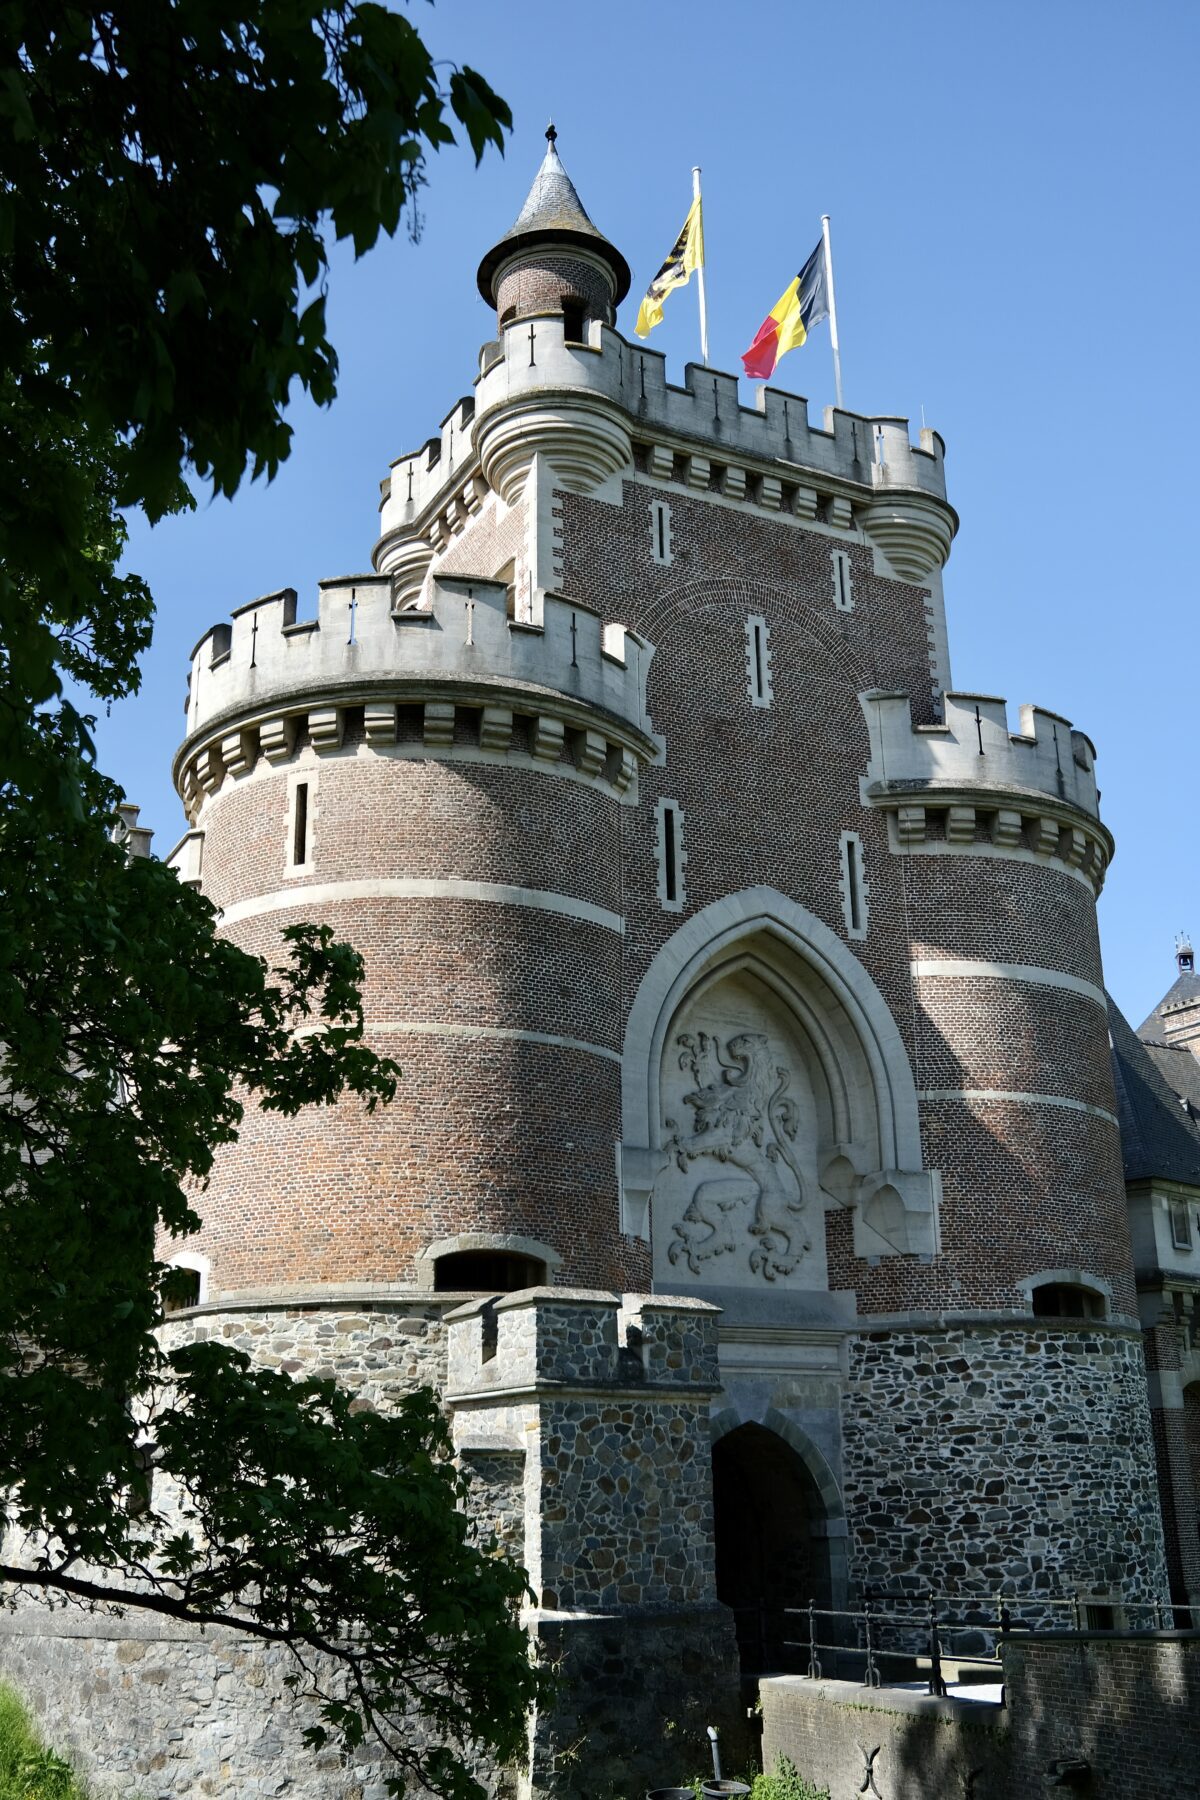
(276, 738)
(662, 462)
(495, 728)
(325, 725)
(379, 722)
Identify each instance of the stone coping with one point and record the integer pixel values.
(885, 1699)
(552, 1296)
(463, 1303)
(1015, 1639)
(999, 1319)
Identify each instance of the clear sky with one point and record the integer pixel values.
(1014, 204)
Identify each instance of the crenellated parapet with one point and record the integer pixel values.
(603, 408)
(555, 1340)
(457, 675)
(606, 1403)
(973, 784)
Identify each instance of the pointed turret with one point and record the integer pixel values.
(552, 259)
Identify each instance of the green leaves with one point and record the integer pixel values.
(483, 113)
(168, 178)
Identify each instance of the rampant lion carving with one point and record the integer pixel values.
(743, 1117)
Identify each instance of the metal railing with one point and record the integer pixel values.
(913, 1636)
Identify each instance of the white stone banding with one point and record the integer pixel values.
(1011, 1095)
(432, 1028)
(328, 893)
(963, 969)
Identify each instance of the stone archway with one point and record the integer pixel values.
(764, 1080)
(772, 1546)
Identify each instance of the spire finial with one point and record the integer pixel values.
(551, 134)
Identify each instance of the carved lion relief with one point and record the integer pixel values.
(761, 1213)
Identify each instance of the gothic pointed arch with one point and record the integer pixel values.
(764, 1080)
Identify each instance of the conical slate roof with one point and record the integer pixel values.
(553, 213)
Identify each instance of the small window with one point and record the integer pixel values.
(671, 856)
(843, 592)
(507, 316)
(486, 1272)
(1063, 1300)
(574, 314)
(181, 1289)
(1181, 1225)
(660, 531)
(853, 885)
(1099, 1617)
(758, 661)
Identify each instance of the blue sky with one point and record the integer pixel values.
(1013, 193)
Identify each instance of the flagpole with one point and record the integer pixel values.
(833, 336)
(700, 288)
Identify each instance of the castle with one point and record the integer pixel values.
(754, 1194)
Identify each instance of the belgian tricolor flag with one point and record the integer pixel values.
(803, 305)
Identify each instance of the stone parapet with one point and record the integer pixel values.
(584, 405)
(568, 689)
(550, 1339)
(969, 783)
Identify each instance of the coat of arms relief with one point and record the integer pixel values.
(744, 1118)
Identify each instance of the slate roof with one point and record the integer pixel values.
(553, 212)
(1157, 1135)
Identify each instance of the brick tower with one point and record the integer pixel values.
(732, 958)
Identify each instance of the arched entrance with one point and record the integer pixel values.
(766, 1505)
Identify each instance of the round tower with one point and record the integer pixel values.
(725, 946)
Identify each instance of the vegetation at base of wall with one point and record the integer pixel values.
(786, 1783)
(28, 1771)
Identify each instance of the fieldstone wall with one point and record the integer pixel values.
(152, 1712)
(635, 1695)
(380, 1350)
(991, 1457)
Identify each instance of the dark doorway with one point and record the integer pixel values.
(768, 1560)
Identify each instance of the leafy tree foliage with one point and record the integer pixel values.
(169, 173)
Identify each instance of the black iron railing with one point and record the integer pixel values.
(911, 1637)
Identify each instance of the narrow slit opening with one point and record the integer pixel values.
(670, 880)
(852, 884)
(300, 824)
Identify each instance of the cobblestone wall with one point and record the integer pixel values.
(380, 1351)
(986, 1457)
(172, 1716)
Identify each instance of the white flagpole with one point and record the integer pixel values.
(700, 282)
(833, 336)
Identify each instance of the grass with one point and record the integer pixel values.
(28, 1771)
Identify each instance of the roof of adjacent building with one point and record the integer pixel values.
(1184, 991)
(1158, 1136)
(553, 213)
